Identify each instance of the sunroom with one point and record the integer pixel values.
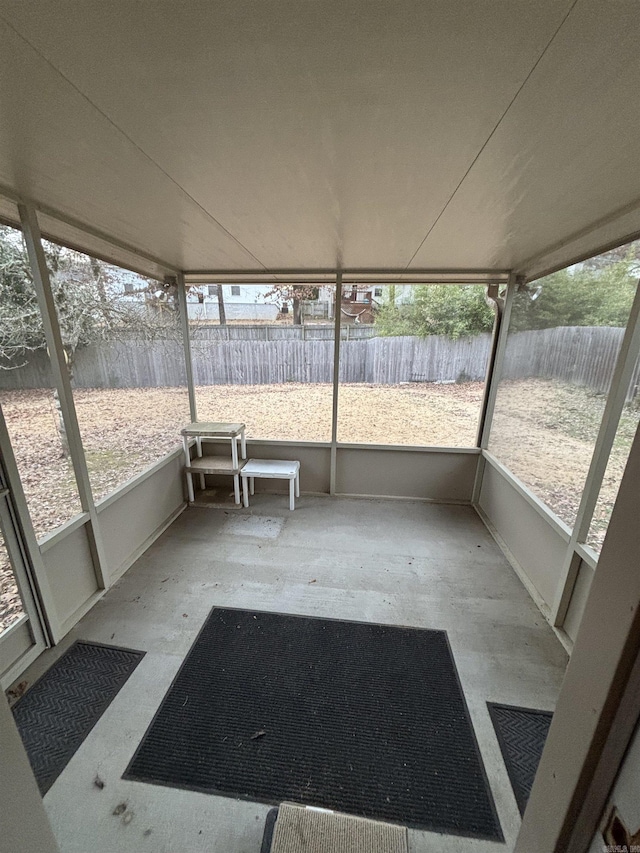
(398, 242)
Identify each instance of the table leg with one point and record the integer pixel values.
(236, 488)
(252, 485)
(292, 501)
(187, 462)
(199, 448)
(298, 483)
(245, 491)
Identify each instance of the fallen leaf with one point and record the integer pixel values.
(98, 782)
(261, 733)
(128, 817)
(16, 692)
(119, 809)
(313, 581)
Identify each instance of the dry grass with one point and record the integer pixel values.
(543, 431)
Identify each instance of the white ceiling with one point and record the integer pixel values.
(396, 134)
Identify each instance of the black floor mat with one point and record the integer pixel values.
(62, 707)
(521, 733)
(364, 719)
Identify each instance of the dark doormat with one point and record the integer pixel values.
(59, 711)
(521, 733)
(365, 719)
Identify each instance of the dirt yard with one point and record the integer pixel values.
(543, 431)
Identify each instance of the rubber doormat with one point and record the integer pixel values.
(364, 719)
(58, 712)
(521, 733)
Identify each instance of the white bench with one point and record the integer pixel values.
(271, 469)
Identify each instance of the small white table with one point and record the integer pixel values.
(214, 464)
(273, 469)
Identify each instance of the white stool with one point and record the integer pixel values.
(271, 469)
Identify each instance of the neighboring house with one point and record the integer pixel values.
(359, 301)
(241, 302)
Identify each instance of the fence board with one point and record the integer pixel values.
(243, 355)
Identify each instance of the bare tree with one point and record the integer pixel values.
(294, 295)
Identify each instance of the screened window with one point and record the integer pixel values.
(29, 402)
(263, 361)
(413, 364)
(564, 339)
(125, 356)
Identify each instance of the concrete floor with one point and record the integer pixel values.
(395, 562)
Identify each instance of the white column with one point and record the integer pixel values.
(186, 341)
(46, 302)
(494, 373)
(336, 377)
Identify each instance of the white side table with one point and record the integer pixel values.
(214, 464)
(273, 469)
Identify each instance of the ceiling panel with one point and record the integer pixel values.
(310, 131)
(565, 156)
(56, 148)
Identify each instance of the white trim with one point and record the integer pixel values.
(335, 383)
(138, 478)
(58, 361)
(50, 539)
(14, 626)
(541, 508)
(587, 554)
(468, 451)
(186, 345)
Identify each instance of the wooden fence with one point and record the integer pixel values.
(578, 355)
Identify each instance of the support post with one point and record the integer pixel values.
(494, 372)
(622, 375)
(186, 342)
(336, 383)
(62, 383)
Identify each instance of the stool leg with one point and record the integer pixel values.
(236, 487)
(234, 451)
(292, 500)
(243, 444)
(190, 487)
(298, 483)
(245, 491)
(252, 485)
(199, 446)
